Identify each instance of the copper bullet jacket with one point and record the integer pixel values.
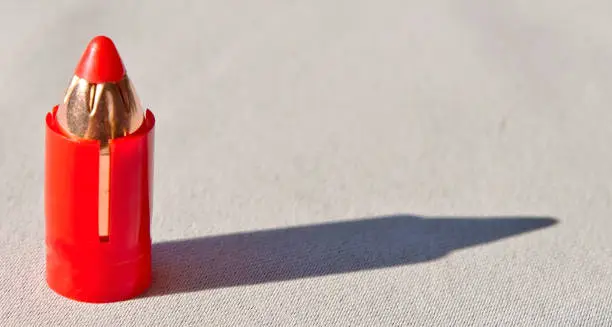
(100, 111)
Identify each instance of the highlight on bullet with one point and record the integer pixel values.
(99, 163)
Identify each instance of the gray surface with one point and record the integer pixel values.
(468, 122)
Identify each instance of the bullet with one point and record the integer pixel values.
(98, 183)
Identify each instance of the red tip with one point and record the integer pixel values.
(100, 62)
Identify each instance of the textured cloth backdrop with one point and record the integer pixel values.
(336, 163)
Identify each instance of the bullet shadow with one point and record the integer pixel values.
(325, 249)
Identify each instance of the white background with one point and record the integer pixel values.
(483, 118)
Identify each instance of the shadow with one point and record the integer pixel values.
(318, 250)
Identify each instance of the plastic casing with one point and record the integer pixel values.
(79, 264)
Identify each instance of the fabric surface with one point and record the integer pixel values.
(336, 163)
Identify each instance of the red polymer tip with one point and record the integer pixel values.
(100, 63)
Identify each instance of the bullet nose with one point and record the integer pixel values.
(100, 63)
(100, 102)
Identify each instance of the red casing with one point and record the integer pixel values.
(79, 264)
